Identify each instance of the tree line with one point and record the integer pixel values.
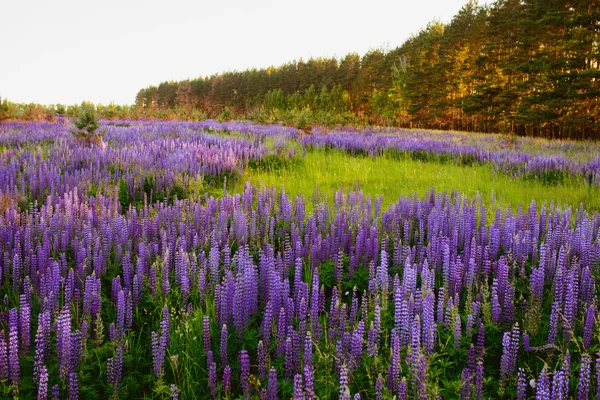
(530, 67)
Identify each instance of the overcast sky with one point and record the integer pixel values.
(68, 51)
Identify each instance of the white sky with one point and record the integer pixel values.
(68, 51)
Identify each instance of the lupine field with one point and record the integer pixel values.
(156, 266)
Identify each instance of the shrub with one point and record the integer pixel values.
(86, 125)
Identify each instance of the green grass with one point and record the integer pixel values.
(332, 170)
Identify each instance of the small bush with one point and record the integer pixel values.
(86, 125)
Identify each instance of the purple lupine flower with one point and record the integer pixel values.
(114, 370)
(514, 346)
(55, 392)
(402, 390)
(272, 388)
(158, 354)
(440, 306)
(43, 383)
(480, 347)
(25, 322)
(308, 368)
(73, 386)
(262, 369)
(371, 346)
(429, 328)
(415, 352)
(212, 380)
(223, 351)
(120, 322)
(566, 369)
(344, 390)
(554, 316)
(526, 344)
(465, 393)
(558, 384)
(469, 326)
(505, 359)
(422, 378)
(521, 385)
(63, 341)
(173, 392)
(206, 333)
(112, 333)
(496, 311)
(289, 358)
(379, 388)
(137, 288)
(356, 345)
(75, 349)
(471, 359)
(245, 373)
(583, 388)
(542, 391)
(457, 332)
(84, 329)
(298, 388)
(4, 365)
(266, 325)
(165, 324)
(588, 327)
(227, 380)
(478, 392)
(13, 346)
(377, 325)
(510, 345)
(395, 360)
(448, 321)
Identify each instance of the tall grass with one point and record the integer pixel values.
(330, 170)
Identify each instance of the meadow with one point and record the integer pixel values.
(235, 260)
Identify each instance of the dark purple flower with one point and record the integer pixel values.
(272, 389)
(542, 391)
(206, 333)
(558, 384)
(588, 327)
(13, 346)
(379, 388)
(402, 389)
(245, 373)
(212, 380)
(478, 392)
(173, 392)
(457, 332)
(521, 385)
(583, 388)
(43, 383)
(223, 349)
(25, 321)
(158, 354)
(344, 390)
(73, 386)
(308, 368)
(465, 393)
(55, 392)
(114, 370)
(298, 387)
(4, 365)
(262, 368)
(227, 380)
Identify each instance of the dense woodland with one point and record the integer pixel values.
(525, 66)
